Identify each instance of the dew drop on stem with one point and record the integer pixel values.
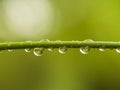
(38, 51)
(27, 50)
(118, 50)
(29, 42)
(85, 50)
(45, 40)
(50, 49)
(62, 50)
(102, 49)
(88, 40)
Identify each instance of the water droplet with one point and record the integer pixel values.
(88, 40)
(85, 50)
(118, 50)
(62, 50)
(27, 50)
(29, 42)
(10, 50)
(102, 49)
(50, 49)
(38, 51)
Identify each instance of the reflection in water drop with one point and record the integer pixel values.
(50, 49)
(85, 50)
(27, 50)
(62, 50)
(102, 49)
(118, 50)
(38, 51)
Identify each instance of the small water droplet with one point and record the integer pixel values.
(88, 40)
(62, 50)
(118, 50)
(38, 51)
(27, 50)
(50, 49)
(45, 40)
(10, 50)
(85, 50)
(102, 49)
(29, 42)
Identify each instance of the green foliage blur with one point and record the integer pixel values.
(72, 20)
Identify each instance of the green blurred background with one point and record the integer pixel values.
(22, 20)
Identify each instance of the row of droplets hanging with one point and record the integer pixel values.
(62, 50)
(38, 51)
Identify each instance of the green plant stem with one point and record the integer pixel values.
(57, 44)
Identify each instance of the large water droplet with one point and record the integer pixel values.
(27, 50)
(38, 51)
(62, 50)
(118, 50)
(102, 49)
(50, 49)
(85, 50)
